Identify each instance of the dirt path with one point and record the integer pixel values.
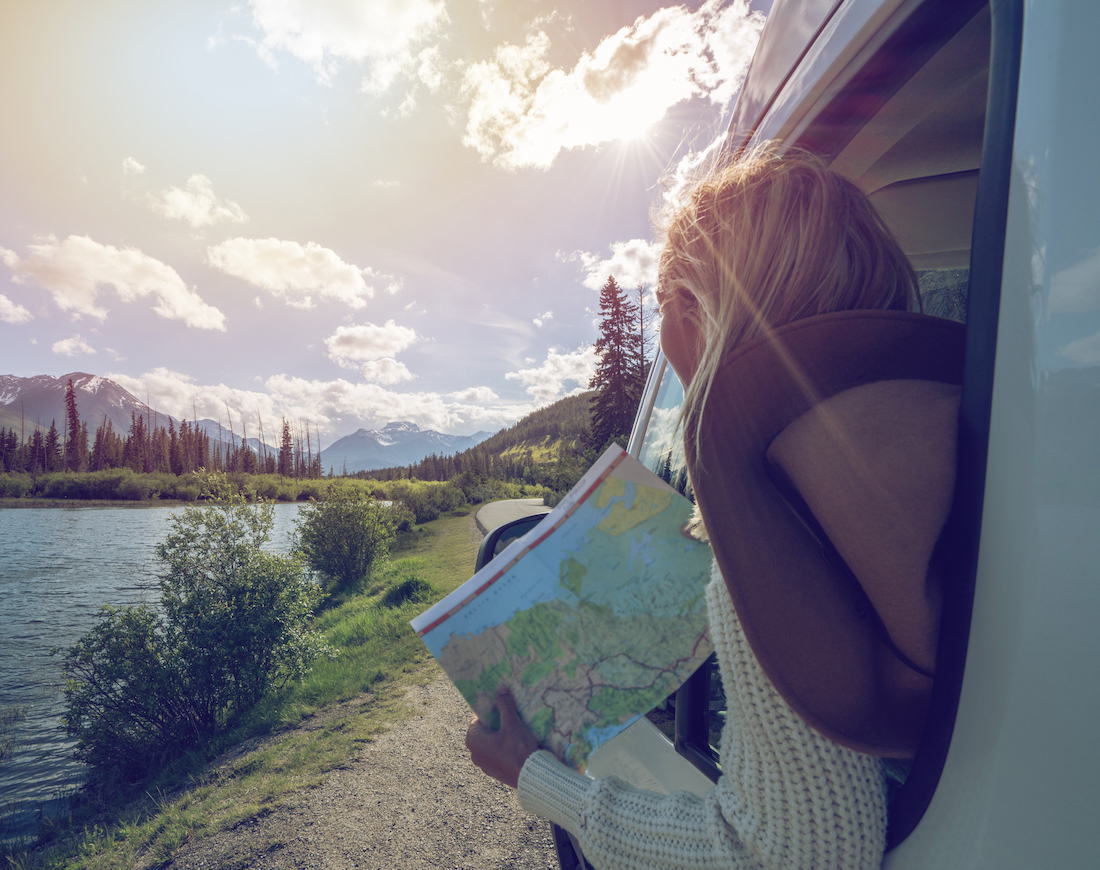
(412, 799)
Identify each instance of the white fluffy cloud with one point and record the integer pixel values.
(12, 312)
(332, 408)
(1083, 351)
(1077, 288)
(131, 167)
(385, 371)
(475, 394)
(174, 393)
(522, 111)
(351, 345)
(72, 346)
(540, 319)
(324, 33)
(292, 271)
(547, 382)
(330, 403)
(197, 204)
(74, 271)
(632, 264)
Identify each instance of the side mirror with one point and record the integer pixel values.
(500, 537)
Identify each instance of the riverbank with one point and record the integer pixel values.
(35, 502)
(294, 741)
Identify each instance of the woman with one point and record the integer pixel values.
(770, 241)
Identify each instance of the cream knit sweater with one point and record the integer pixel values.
(789, 798)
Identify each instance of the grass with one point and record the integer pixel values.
(294, 738)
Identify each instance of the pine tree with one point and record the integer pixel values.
(286, 452)
(53, 448)
(619, 373)
(75, 452)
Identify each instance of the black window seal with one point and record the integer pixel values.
(957, 551)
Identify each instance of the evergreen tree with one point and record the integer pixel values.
(76, 443)
(175, 456)
(136, 447)
(37, 460)
(286, 452)
(619, 375)
(53, 448)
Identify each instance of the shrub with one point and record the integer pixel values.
(149, 682)
(413, 589)
(342, 535)
(14, 485)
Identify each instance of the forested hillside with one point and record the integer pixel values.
(546, 447)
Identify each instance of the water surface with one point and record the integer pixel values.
(58, 566)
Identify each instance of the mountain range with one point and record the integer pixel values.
(41, 399)
(395, 444)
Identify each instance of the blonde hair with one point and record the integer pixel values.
(769, 239)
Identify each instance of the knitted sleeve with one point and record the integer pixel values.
(789, 798)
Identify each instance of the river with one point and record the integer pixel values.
(58, 566)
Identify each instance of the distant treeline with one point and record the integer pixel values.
(150, 448)
(543, 454)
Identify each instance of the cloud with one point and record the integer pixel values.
(72, 346)
(430, 68)
(12, 312)
(131, 167)
(1083, 351)
(75, 269)
(197, 204)
(351, 345)
(1077, 288)
(475, 394)
(333, 407)
(547, 382)
(285, 268)
(632, 264)
(540, 319)
(174, 393)
(386, 371)
(324, 33)
(522, 112)
(331, 403)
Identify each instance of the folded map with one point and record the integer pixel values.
(592, 618)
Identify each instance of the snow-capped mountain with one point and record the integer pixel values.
(41, 398)
(395, 444)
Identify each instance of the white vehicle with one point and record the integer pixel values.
(975, 129)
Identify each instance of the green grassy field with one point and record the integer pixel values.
(294, 738)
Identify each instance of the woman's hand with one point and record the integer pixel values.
(501, 754)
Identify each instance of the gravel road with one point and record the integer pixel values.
(412, 799)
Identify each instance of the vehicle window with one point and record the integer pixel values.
(662, 450)
(703, 706)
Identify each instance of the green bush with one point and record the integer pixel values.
(14, 485)
(147, 683)
(413, 589)
(342, 535)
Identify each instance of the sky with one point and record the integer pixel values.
(347, 212)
